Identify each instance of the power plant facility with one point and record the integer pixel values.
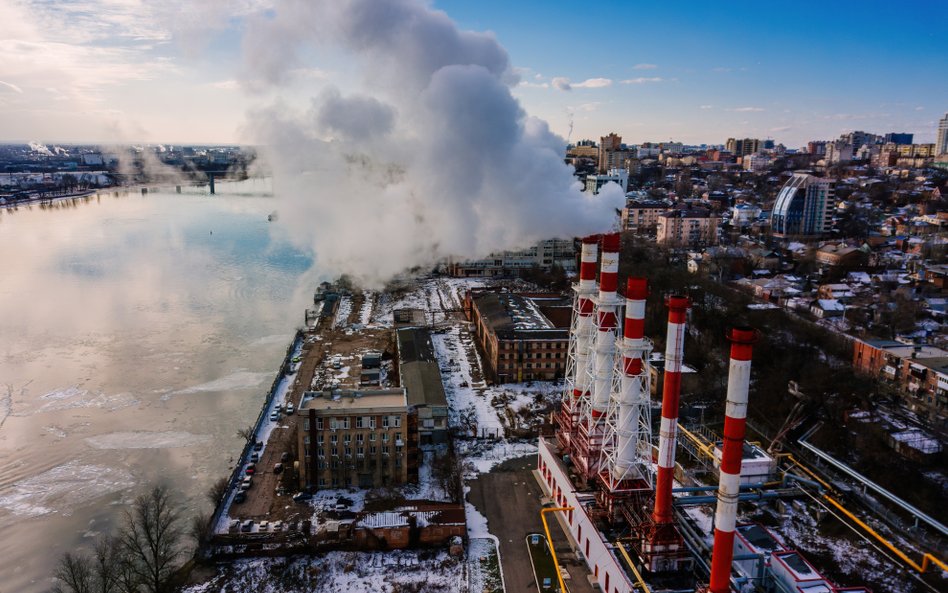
(626, 491)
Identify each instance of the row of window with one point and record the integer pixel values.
(347, 438)
(347, 422)
(548, 365)
(512, 356)
(561, 344)
(360, 451)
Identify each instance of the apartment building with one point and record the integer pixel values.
(918, 372)
(695, 227)
(641, 216)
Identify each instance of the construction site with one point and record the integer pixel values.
(706, 507)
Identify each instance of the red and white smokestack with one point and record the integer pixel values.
(742, 346)
(584, 327)
(668, 432)
(636, 292)
(607, 323)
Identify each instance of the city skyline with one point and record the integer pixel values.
(179, 73)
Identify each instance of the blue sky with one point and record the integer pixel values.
(139, 70)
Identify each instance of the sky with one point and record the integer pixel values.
(179, 71)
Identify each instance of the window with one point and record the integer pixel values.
(384, 421)
(320, 453)
(319, 424)
(384, 437)
(348, 451)
(359, 422)
(335, 452)
(373, 450)
(332, 424)
(384, 449)
(322, 481)
(372, 437)
(398, 436)
(319, 439)
(333, 438)
(306, 440)
(372, 422)
(347, 438)
(345, 423)
(396, 421)
(360, 451)
(306, 424)
(360, 437)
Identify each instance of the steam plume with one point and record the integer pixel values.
(434, 159)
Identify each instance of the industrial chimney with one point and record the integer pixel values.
(634, 386)
(674, 353)
(742, 345)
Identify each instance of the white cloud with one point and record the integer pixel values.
(642, 80)
(6, 86)
(746, 109)
(919, 108)
(705, 106)
(564, 84)
(533, 85)
(781, 128)
(586, 107)
(644, 67)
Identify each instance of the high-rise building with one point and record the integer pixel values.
(741, 147)
(802, 208)
(899, 138)
(941, 143)
(612, 153)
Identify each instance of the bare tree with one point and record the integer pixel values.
(152, 539)
(75, 574)
(217, 490)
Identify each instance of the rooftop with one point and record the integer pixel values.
(350, 400)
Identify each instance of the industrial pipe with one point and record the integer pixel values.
(632, 384)
(606, 323)
(587, 286)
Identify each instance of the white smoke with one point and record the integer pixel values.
(40, 148)
(434, 159)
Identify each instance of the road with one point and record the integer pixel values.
(509, 497)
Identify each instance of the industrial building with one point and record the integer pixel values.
(419, 374)
(522, 336)
(356, 438)
(544, 255)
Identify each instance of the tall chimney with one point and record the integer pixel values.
(742, 346)
(584, 326)
(634, 337)
(606, 324)
(674, 353)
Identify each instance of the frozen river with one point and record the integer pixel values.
(137, 334)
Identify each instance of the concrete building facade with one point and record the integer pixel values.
(694, 227)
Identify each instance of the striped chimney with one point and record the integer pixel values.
(587, 286)
(674, 353)
(636, 292)
(742, 346)
(606, 323)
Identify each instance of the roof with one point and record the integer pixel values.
(760, 537)
(418, 368)
(512, 315)
(356, 399)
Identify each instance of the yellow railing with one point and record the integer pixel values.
(549, 542)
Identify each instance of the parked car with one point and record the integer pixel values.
(258, 446)
(285, 456)
(254, 457)
(235, 525)
(274, 416)
(278, 468)
(240, 497)
(251, 468)
(296, 359)
(301, 496)
(247, 526)
(263, 526)
(289, 408)
(277, 526)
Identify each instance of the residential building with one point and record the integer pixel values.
(523, 336)
(641, 216)
(840, 255)
(742, 147)
(693, 227)
(612, 153)
(618, 176)
(419, 374)
(919, 372)
(802, 208)
(363, 438)
(941, 139)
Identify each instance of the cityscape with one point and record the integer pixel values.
(430, 318)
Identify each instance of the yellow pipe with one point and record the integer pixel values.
(927, 558)
(549, 542)
(632, 566)
(706, 449)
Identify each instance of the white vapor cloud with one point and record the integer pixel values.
(7, 86)
(746, 109)
(564, 83)
(432, 158)
(644, 67)
(643, 80)
(705, 106)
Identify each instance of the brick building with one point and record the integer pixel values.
(356, 438)
(918, 372)
(522, 336)
(694, 227)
